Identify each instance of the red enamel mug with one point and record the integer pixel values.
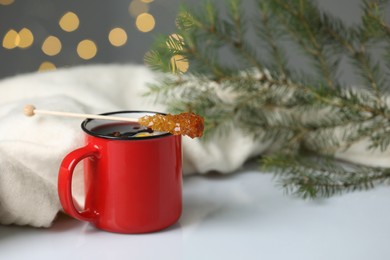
(133, 183)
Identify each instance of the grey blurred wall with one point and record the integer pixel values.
(97, 18)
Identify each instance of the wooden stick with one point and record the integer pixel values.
(30, 110)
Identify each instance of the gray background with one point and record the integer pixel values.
(96, 19)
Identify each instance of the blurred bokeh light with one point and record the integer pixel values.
(145, 22)
(51, 46)
(6, 2)
(11, 39)
(138, 7)
(46, 65)
(86, 49)
(45, 34)
(69, 22)
(117, 37)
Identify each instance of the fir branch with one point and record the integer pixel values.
(203, 57)
(380, 139)
(374, 27)
(230, 32)
(267, 30)
(387, 59)
(294, 16)
(369, 71)
(354, 42)
(311, 178)
(235, 39)
(296, 112)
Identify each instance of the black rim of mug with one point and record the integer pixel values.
(89, 132)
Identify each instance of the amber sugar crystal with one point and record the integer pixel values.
(181, 124)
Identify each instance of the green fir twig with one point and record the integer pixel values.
(264, 94)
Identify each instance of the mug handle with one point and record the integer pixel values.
(65, 182)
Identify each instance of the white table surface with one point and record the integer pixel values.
(240, 216)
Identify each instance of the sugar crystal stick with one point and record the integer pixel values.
(182, 124)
